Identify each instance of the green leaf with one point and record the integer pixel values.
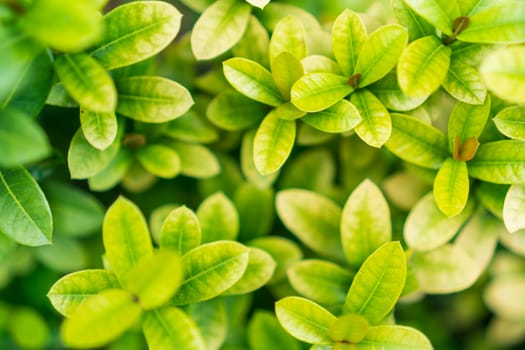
(313, 219)
(341, 117)
(99, 129)
(423, 66)
(273, 143)
(154, 279)
(152, 99)
(253, 176)
(365, 223)
(28, 328)
(58, 96)
(218, 218)
(349, 328)
(304, 319)
(444, 270)
(511, 122)
(427, 228)
(136, 31)
(219, 28)
(25, 215)
(376, 126)
(451, 187)
(501, 296)
(513, 208)
(499, 24)
(212, 321)
(387, 90)
(85, 160)
(288, 36)
(160, 160)
(181, 231)
(416, 142)
(191, 127)
(126, 237)
(30, 92)
(75, 212)
(317, 91)
(196, 160)
(348, 37)
(113, 173)
(254, 44)
(252, 80)
(288, 111)
(440, 13)
(465, 83)
(210, 269)
(504, 73)
(258, 272)
(21, 139)
(501, 162)
(378, 283)
(107, 315)
(171, 328)
(321, 281)
(417, 26)
(320, 64)
(467, 120)
(70, 291)
(393, 338)
(258, 3)
(286, 70)
(264, 332)
(256, 210)
(87, 82)
(232, 111)
(63, 25)
(380, 53)
(64, 255)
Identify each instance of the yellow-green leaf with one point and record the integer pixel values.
(451, 187)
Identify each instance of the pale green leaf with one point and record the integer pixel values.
(511, 122)
(313, 219)
(427, 228)
(25, 215)
(258, 3)
(197, 5)
(365, 223)
(504, 73)
(320, 281)
(339, 118)
(258, 272)
(514, 208)
(63, 25)
(70, 291)
(492, 196)
(212, 321)
(378, 283)
(319, 163)
(113, 173)
(196, 160)
(181, 231)
(159, 160)
(380, 53)
(273, 143)
(440, 13)
(416, 142)
(218, 218)
(304, 319)
(232, 111)
(126, 237)
(515, 242)
(253, 176)
(136, 31)
(501, 23)
(87, 82)
(210, 269)
(317, 91)
(154, 279)
(254, 44)
(219, 28)
(394, 338)
(349, 328)
(252, 80)
(288, 36)
(423, 66)
(65, 254)
(451, 187)
(99, 129)
(417, 26)
(152, 99)
(502, 296)
(286, 70)
(58, 96)
(465, 83)
(348, 37)
(467, 120)
(264, 332)
(288, 111)
(171, 328)
(22, 140)
(320, 64)
(376, 125)
(107, 315)
(256, 210)
(444, 270)
(501, 162)
(387, 90)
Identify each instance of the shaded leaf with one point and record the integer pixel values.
(417, 26)
(387, 90)
(254, 44)
(501, 296)
(440, 13)
(196, 160)
(99, 129)
(286, 70)
(256, 210)
(288, 36)
(160, 160)
(232, 111)
(212, 321)
(467, 120)
(265, 332)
